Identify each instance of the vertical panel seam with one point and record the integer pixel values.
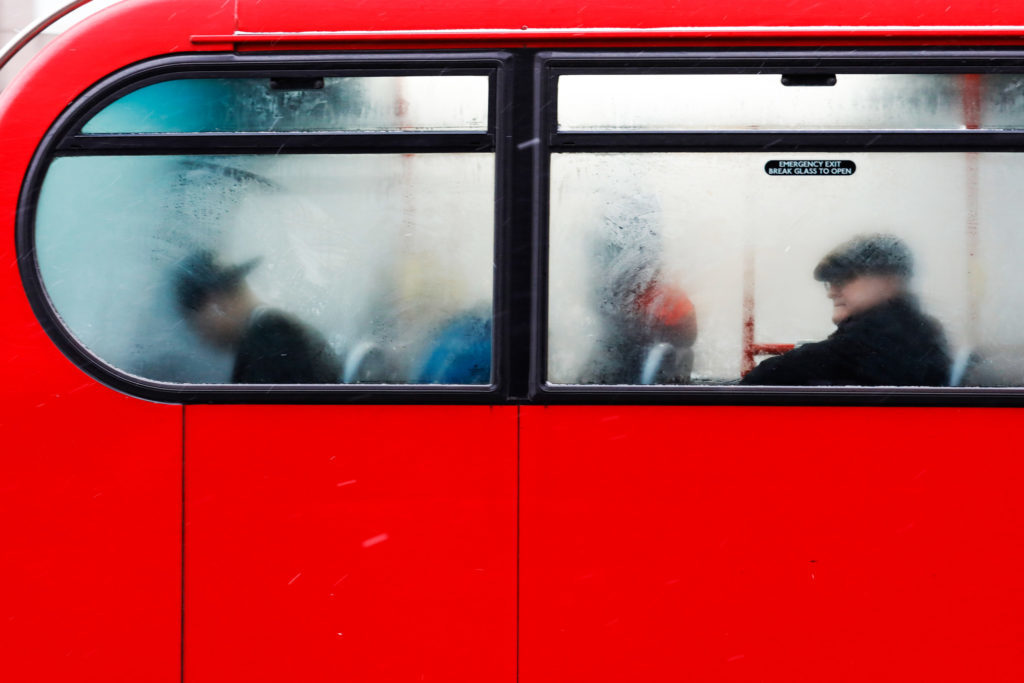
(182, 587)
(519, 436)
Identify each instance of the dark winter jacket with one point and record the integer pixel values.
(277, 349)
(892, 344)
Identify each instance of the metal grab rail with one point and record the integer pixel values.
(25, 36)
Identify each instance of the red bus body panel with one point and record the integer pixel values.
(380, 543)
(354, 543)
(91, 480)
(711, 544)
(304, 16)
(90, 547)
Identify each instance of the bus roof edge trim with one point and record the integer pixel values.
(605, 33)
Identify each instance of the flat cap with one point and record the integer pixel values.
(200, 275)
(876, 254)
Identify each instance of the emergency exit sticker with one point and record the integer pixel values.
(802, 167)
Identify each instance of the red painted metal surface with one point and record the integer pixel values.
(90, 497)
(751, 348)
(771, 349)
(749, 319)
(770, 544)
(656, 543)
(90, 480)
(354, 543)
(313, 24)
(755, 15)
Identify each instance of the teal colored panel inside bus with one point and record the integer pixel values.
(275, 269)
(299, 104)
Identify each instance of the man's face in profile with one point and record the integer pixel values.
(217, 321)
(862, 293)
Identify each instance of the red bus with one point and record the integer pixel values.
(406, 342)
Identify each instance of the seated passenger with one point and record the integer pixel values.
(656, 314)
(646, 324)
(270, 347)
(461, 353)
(882, 338)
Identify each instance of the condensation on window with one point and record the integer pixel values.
(681, 102)
(388, 259)
(733, 249)
(300, 103)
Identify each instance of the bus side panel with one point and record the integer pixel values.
(358, 543)
(90, 498)
(771, 544)
(90, 546)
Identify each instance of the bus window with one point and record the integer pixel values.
(788, 101)
(270, 267)
(299, 103)
(730, 240)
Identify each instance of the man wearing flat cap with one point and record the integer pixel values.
(270, 346)
(882, 338)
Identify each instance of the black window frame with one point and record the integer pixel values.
(522, 133)
(550, 65)
(65, 139)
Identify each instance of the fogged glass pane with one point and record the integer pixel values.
(680, 102)
(275, 269)
(676, 268)
(379, 103)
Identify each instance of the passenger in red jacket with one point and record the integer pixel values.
(647, 323)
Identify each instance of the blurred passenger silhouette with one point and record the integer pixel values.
(882, 338)
(647, 324)
(271, 347)
(461, 351)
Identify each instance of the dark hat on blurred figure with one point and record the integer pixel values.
(866, 255)
(201, 274)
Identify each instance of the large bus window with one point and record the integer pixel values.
(299, 103)
(686, 265)
(378, 255)
(799, 101)
(296, 229)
